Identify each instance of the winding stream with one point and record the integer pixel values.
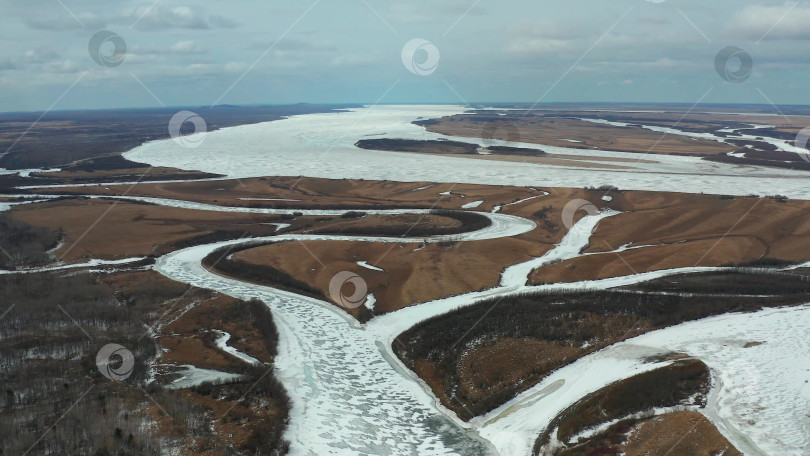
(352, 396)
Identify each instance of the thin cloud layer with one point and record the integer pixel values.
(245, 51)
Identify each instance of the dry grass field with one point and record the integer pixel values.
(573, 133)
(314, 193)
(681, 230)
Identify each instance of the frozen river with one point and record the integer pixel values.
(352, 396)
(322, 145)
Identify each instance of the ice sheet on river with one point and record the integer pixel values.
(322, 145)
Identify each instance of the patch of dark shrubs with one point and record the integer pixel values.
(25, 245)
(520, 151)
(469, 222)
(683, 383)
(257, 273)
(604, 188)
(748, 280)
(419, 146)
(575, 319)
(254, 390)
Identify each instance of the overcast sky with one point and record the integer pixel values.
(184, 53)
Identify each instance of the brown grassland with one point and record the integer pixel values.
(558, 132)
(672, 230)
(688, 230)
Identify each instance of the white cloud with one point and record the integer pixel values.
(539, 46)
(65, 22)
(209, 69)
(40, 55)
(186, 47)
(785, 21)
(178, 17)
(66, 66)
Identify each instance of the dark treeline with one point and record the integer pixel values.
(521, 151)
(741, 282)
(761, 159)
(24, 245)
(208, 238)
(582, 321)
(419, 146)
(262, 274)
(683, 383)
(255, 391)
(469, 222)
(92, 134)
(52, 331)
(51, 337)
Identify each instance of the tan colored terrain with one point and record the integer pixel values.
(678, 434)
(108, 230)
(560, 131)
(291, 192)
(556, 160)
(411, 274)
(133, 174)
(679, 230)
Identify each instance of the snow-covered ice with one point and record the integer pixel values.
(322, 145)
(759, 398)
(368, 266)
(472, 205)
(222, 343)
(195, 376)
(61, 267)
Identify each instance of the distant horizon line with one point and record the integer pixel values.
(537, 106)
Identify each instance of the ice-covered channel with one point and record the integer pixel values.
(322, 145)
(349, 395)
(352, 396)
